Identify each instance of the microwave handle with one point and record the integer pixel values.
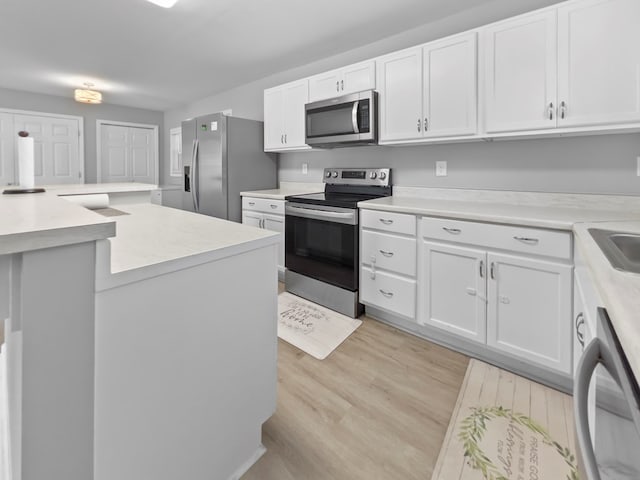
(354, 116)
(591, 357)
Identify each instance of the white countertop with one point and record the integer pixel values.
(152, 234)
(542, 216)
(620, 291)
(286, 189)
(92, 188)
(42, 220)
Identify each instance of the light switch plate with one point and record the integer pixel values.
(441, 169)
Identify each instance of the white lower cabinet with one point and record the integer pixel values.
(515, 304)
(529, 309)
(453, 290)
(388, 259)
(254, 214)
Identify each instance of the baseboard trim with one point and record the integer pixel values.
(244, 468)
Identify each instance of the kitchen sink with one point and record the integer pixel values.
(621, 249)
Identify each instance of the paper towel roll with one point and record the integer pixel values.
(92, 202)
(25, 162)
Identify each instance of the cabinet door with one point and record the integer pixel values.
(399, 80)
(450, 86)
(529, 310)
(599, 62)
(295, 96)
(7, 142)
(358, 77)
(453, 293)
(275, 223)
(520, 73)
(273, 119)
(324, 85)
(252, 219)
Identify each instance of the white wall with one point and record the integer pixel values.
(579, 164)
(19, 100)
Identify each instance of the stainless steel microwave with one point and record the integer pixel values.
(343, 121)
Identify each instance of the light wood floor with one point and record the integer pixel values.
(377, 408)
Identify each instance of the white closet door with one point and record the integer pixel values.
(57, 148)
(114, 154)
(127, 154)
(7, 142)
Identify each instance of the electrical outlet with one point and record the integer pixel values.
(305, 168)
(441, 169)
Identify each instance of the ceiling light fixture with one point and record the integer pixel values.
(164, 3)
(86, 95)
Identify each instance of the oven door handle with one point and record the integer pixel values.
(349, 218)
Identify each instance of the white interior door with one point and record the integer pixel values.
(57, 147)
(7, 143)
(127, 153)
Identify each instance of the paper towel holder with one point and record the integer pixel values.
(11, 191)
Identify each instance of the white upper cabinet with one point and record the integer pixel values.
(599, 62)
(450, 87)
(399, 81)
(520, 73)
(429, 91)
(351, 79)
(284, 116)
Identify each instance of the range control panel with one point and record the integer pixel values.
(358, 176)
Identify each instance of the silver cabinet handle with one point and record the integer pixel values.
(492, 270)
(579, 325)
(386, 294)
(386, 222)
(419, 124)
(282, 138)
(337, 86)
(252, 203)
(550, 109)
(285, 138)
(426, 124)
(260, 223)
(386, 254)
(529, 240)
(481, 268)
(453, 231)
(273, 206)
(563, 109)
(342, 84)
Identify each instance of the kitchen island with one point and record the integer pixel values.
(153, 353)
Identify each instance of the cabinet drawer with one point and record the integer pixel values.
(389, 252)
(527, 240)
(395, 294)
(389, 222)
(263, 205)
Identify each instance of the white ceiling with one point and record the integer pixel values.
(146, 56)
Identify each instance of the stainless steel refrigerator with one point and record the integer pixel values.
(223, 156)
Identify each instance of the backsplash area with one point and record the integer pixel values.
(590, 164)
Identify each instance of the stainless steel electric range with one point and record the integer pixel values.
(321, 237)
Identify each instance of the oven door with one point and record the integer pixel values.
(607, 418)
(321, 242)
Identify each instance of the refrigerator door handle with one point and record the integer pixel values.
(194, 175)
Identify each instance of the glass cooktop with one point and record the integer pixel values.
(345, 200)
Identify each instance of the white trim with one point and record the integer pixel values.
(174, 131)
(80, 121)
(100, 123)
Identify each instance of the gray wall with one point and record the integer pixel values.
(20, 100)
(605, 164)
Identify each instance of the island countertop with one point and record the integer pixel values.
(43, 220)
(149, 235)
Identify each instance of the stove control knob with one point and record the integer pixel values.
(328, 174)
(334, 174)
(373, 175)
(383, 175)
